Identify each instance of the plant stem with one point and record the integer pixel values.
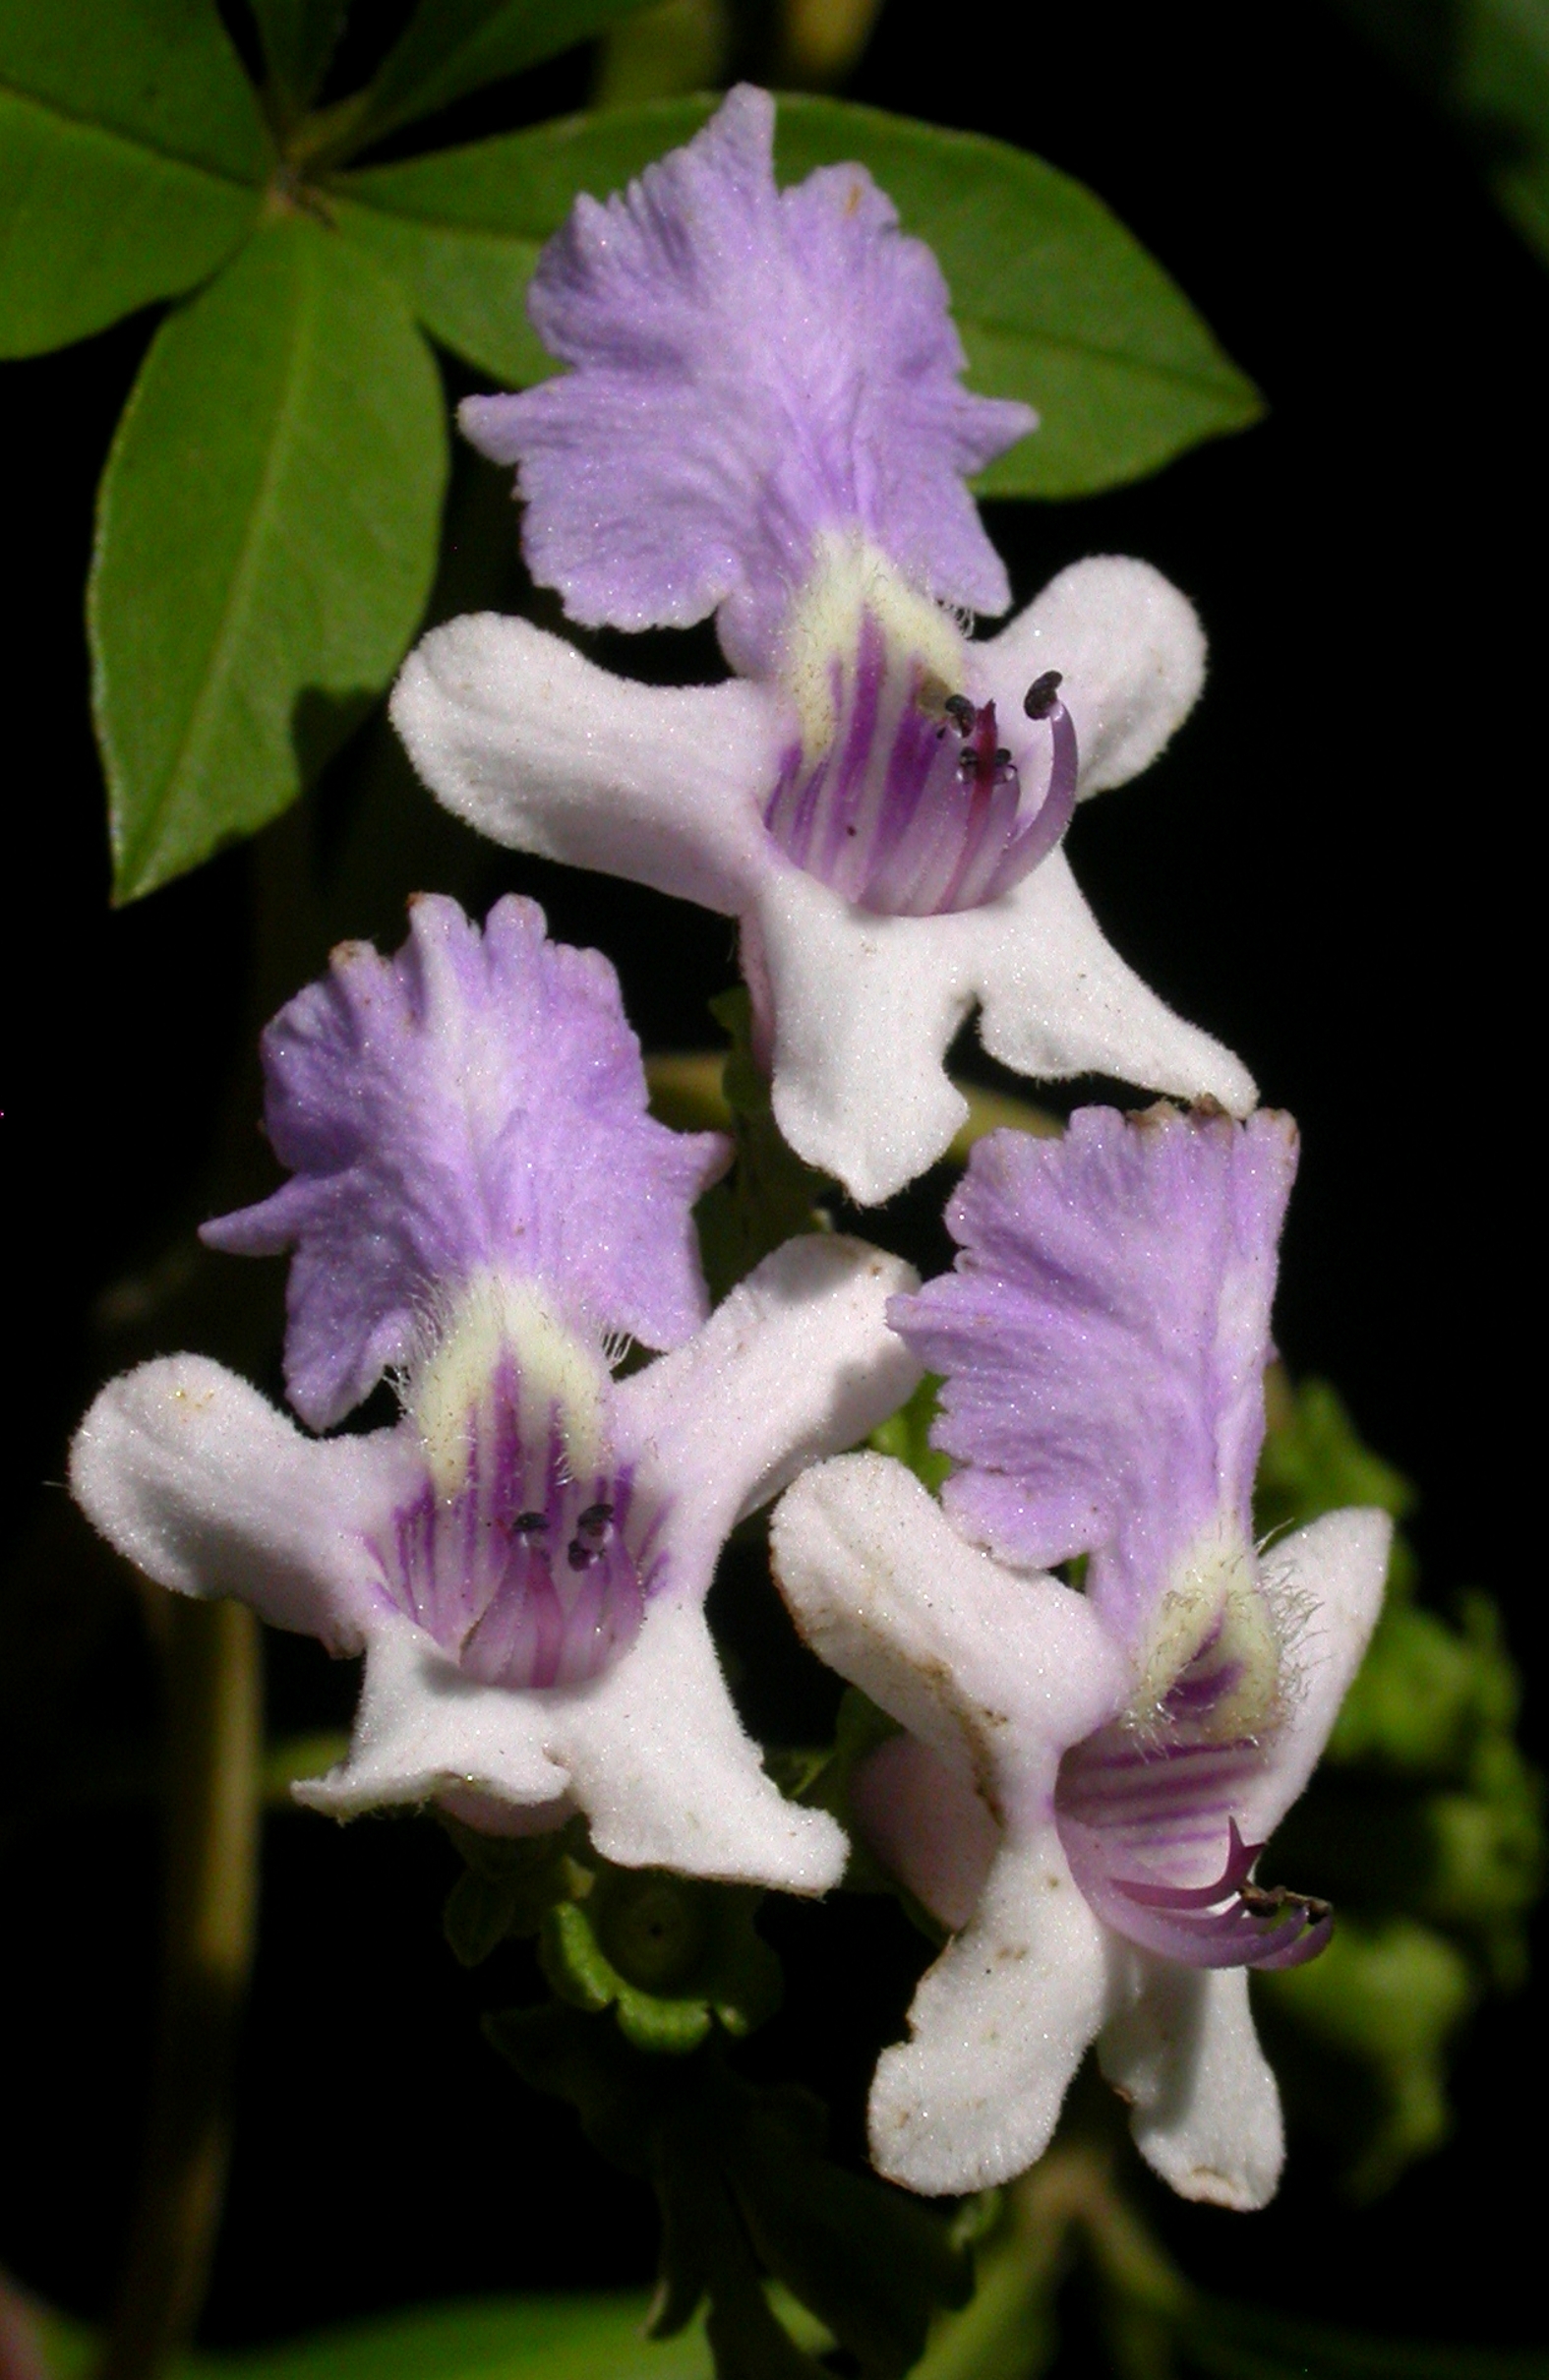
(209, 1887)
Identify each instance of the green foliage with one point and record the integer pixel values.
(266, 540)
(906, 1436)
(268, 517)
(580, 2337)
(770, 1195)
(1424, 1825)
(1485, 64)
(449, 47)
(131, 152)
(745, 2188)
(672, 1957)
(299, 37)
(1057, 302)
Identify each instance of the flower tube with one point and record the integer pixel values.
(481, 1205)
(1088, 1775)
(764, 422)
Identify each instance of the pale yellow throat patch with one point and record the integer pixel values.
(849, 579)
(451, 1389)
(1214, 1612)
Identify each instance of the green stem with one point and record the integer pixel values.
(211, 1854)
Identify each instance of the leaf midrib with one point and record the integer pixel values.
(125, 139)
(218, 671)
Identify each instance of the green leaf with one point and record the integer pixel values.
(462, 230)
(1057, 302)
(131, 152)
(299, 37)
(265, 539)
(671, 1954)
(595, 2338)
(454, 46)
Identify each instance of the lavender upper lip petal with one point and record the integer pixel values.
(765, 421)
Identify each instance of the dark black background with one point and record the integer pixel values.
(1329, 870)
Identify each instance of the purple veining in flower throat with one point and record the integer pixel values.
(916, 808)
(525, 1574)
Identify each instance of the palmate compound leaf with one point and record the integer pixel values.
(1055, 301)
(132, 155)
(266, 535)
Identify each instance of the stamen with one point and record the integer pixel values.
(1259, 1926)
(896, 815)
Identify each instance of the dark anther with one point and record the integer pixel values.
(527, 1524)
(595, 1519)
(967, 763)
(1003, 756)
(1277, 1902)
(581, 1556)
(1043, 694)
(959, 711)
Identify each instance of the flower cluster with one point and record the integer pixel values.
(764, 422)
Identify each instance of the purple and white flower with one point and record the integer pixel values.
(765, 421)
(1088, 1777)
(481, 1204)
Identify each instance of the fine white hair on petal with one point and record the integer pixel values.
(1179, 2045)
(1131, 656)
(196, 1478)
(533, 745)
(1334, 1571)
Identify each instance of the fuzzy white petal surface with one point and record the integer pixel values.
(199, 1481)
(1329, 1577)
(659, 1763)
(997, 2029)
(537, 747)
(1181, 2046)
(867, 1007)
(997, 1672)
(422, 1727)
(1131, 653)
(1059, 1001)
(796, 1363)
